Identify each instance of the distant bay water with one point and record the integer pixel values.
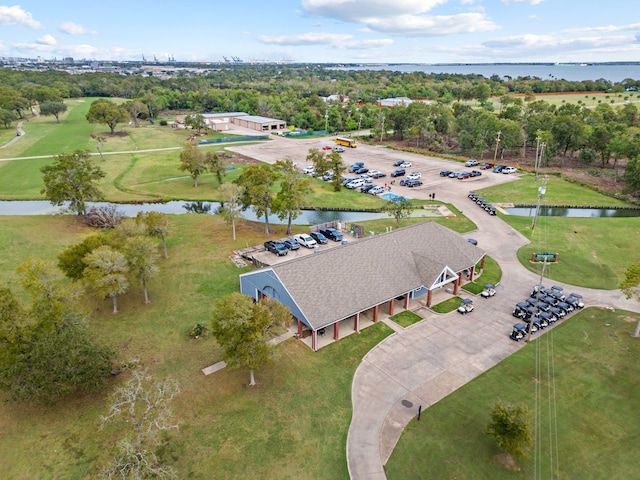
(614, 72)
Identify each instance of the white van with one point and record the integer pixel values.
(358, 182)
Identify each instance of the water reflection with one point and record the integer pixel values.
(575, 212)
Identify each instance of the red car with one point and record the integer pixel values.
(486, 166)
(327, 147)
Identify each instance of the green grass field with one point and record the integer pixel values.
(594, 365)
(294, 424)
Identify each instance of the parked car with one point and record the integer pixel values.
(356, 166)
(367, 187)
(276, 248)
(355, 183)
(410, 182)
(453, 174)
(305, 240)
(471, 163)
(405, 165)
(327, 177)
(466, 306)
(486, 166)
(509, 170)
(398, 172)
(291, 243)
(498, 168)
(475, 173)
(309, 170)
(338, 149)
(377, 190)
(318, 237)
(367, 178)
(348, 180)
(332, 234)
(361, 170)
(397, 163)
(445, 173)
(327, 147)
(414, 175)
(464, 176)
(377, 174)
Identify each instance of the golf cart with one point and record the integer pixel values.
(489, 290)
(559, 294)
(575, 299)
(519, 332)
(557, 313)
(566, 307)
(534, 324)
(523, 310)
(466, 306)
(536, 289)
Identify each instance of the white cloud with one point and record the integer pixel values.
(356, 10)
(427, 26)
(400, 17)
(310, 38)
(46, 40)
(71, 28)
(82, 51)
(15, 15)
(530, 2)
(606, 29)
(365, 44)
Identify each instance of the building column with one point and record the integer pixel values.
(299, 329)
(456, 284)
(336, 331)
(375, 313)
(391, 305)
(356, 322)
(429, 297)
(471, 270)
(406, 302)
(482, 262)
(314, 340)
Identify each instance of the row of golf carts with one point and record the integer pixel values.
(482, 203)
(544, 307)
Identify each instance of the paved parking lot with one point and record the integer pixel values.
(379, 158)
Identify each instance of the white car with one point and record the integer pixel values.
(305, 240)
(310, 170)
(353, 184)
(374, 172)
(414, 176)
(377, 190)
(509, 170)
(405, 165)
(471, 163)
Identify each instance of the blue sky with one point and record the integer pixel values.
(353, 31)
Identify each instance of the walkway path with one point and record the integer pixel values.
(19, 131)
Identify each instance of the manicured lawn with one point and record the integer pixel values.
(406, 318)
(227, 431)
(492, 273)
(558, 192)
(589, 367)
(592, 252)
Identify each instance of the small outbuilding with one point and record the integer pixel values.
(337, 287)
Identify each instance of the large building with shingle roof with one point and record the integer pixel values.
(342, 283)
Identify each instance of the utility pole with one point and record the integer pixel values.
(326, 120)
(382, 128)
(542, 189)
(495, 154)
(535, 165)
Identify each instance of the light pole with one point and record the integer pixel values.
(382, 128)
(495, 154)
(326, 120)
(535, 166)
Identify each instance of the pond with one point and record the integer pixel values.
(308, 217)
(575, 212)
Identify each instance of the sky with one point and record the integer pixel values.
(323, 31)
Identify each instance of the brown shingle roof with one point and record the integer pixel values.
(336, 283)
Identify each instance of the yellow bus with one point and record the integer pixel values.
(346, 142)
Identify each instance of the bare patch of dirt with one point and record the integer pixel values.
(506, 461)
(237, 158)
